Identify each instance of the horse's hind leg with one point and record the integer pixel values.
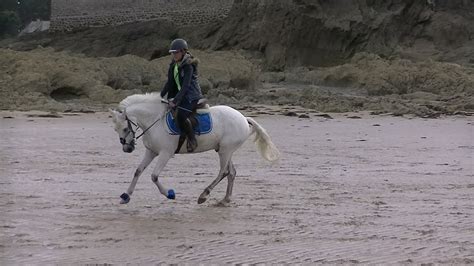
(230, 182)
(224, 158)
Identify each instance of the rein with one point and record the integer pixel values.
(130, 122)
(144, 131)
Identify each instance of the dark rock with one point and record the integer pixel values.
(45, 115)
(397, 114)
(431, 115)
(86, 111)
(325, 116)
(463, 113)
(376, 113)
(291, 114)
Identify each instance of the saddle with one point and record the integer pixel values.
(200, 121)
(202, 107)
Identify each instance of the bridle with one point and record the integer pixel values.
(130, 130)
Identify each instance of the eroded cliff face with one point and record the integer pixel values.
(291, 33)
(342, 55)
(322, 33)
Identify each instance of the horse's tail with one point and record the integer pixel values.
(264, 144)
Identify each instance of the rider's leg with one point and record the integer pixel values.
(191, 145)
(184, 112)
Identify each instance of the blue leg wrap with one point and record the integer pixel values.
(125, 197)
(171, 194)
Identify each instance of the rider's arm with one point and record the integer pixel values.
(165, 89)
(188, 73)
(167, 86)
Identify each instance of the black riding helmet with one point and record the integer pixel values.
(178, 45)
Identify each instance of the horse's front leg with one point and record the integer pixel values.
(162, 160)
(147, 159)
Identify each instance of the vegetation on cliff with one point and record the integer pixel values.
(393, 56)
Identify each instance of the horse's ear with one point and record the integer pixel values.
(115, 114)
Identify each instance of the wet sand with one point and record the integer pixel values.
(378, 189)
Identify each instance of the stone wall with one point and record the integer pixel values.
(67, 15)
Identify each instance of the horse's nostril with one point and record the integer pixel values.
(122, 141)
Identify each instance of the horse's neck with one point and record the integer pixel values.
(145, 114)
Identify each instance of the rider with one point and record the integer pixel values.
(182, 88)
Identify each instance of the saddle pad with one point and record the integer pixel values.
(204, 124)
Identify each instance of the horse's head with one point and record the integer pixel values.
(123, 127)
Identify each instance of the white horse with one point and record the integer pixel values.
(230, 130)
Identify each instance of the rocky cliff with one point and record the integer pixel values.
(292, 33)
(321, 33)
(399, 56)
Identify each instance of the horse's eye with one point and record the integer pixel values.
(125, 129)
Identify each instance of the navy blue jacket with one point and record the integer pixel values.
(188, 78)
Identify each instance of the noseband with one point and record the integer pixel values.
(130, 130)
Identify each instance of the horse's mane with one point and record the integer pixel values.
(153, 97)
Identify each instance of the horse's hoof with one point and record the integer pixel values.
(125, 198)
(223, 203)
(171, 194)
(203, 197)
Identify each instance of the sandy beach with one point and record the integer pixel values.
(357, 188)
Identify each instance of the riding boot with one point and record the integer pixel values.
(192, 142)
